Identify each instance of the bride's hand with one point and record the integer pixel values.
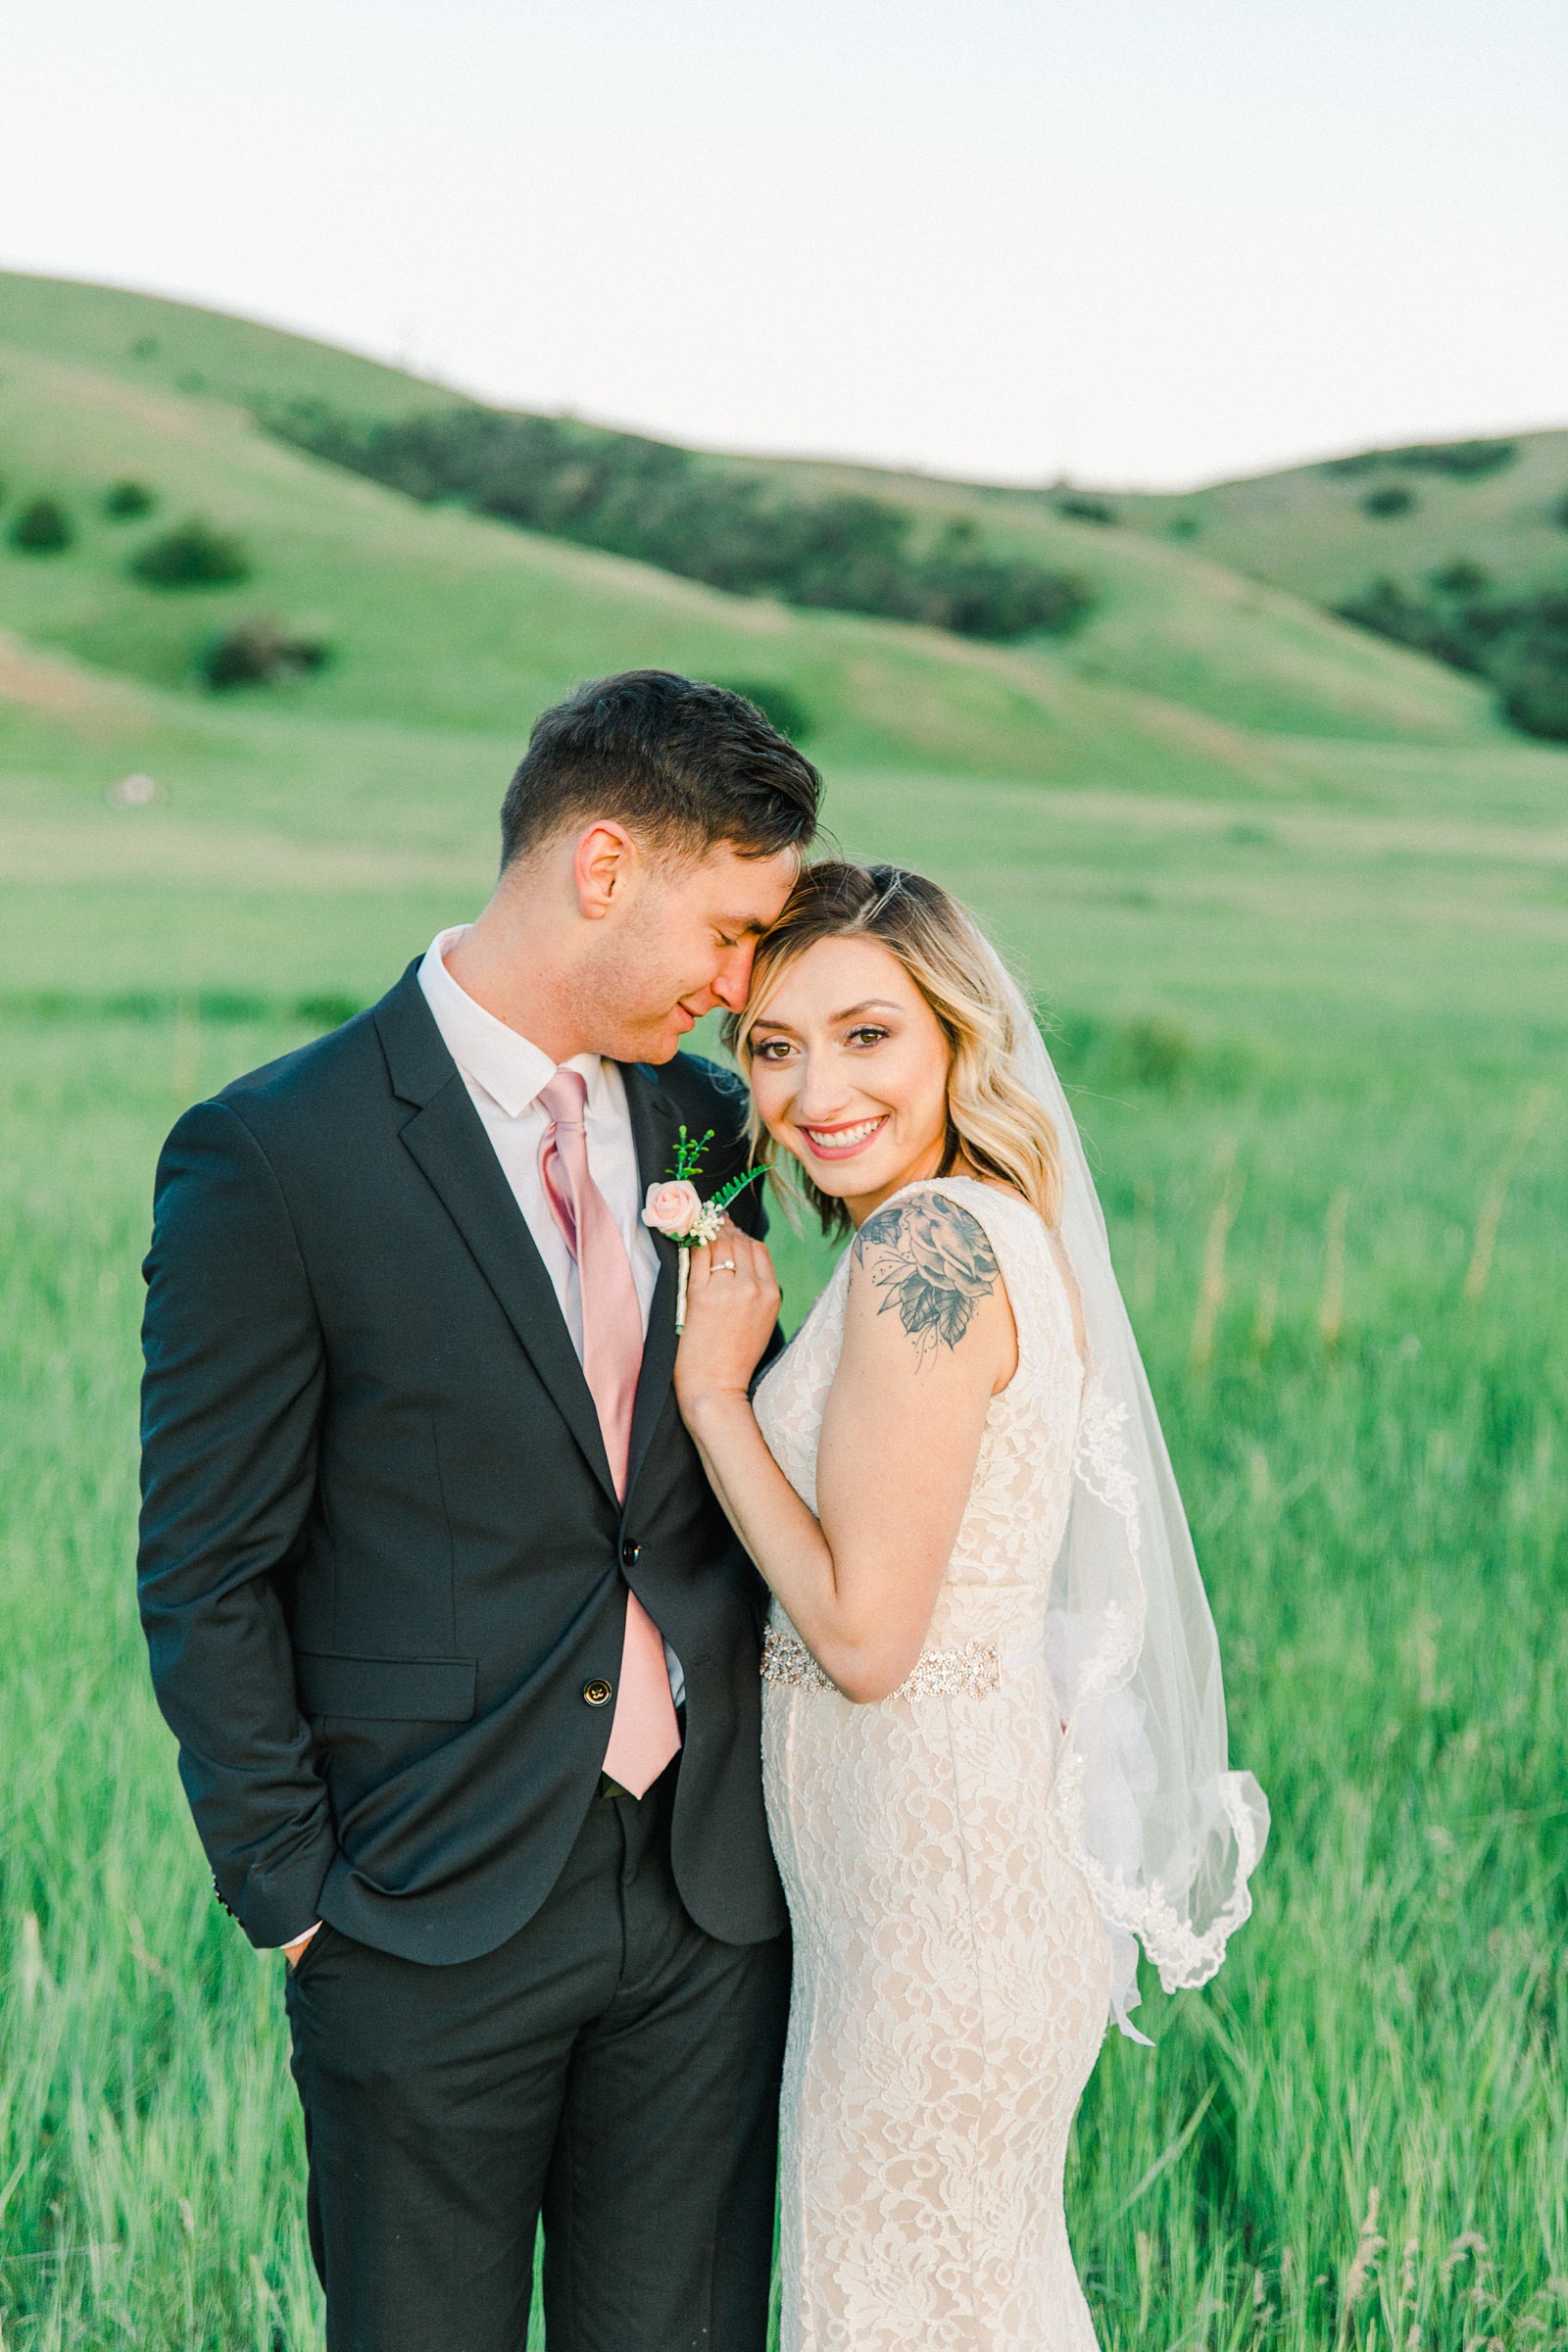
(731, 1308)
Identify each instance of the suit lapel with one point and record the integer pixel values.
(446, 1138)
(655, 1125)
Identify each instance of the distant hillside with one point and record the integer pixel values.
(1458, 549)
(1212, 800)
(177, 347)
(1167, 621)
(1326, 530)
(1455, 549)
(435, 618)
(1173, 621)
(129, 445)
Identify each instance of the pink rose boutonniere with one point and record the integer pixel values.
(677, 1210)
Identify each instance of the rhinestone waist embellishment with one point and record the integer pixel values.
(967, 1673)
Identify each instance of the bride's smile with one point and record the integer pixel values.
(849, 1073)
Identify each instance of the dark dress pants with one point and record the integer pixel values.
(611, 2067)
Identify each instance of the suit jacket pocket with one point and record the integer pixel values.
(387, 1689)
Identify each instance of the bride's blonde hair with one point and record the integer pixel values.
(993, 1123)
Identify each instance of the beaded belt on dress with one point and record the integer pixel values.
(969, 1672)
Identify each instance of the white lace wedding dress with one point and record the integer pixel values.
(951, 1971)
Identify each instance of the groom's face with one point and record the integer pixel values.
(679, 945)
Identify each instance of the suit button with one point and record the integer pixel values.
(599, 1694)
(628, 1553)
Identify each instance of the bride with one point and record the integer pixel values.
(994, 1733)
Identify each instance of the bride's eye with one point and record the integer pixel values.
(867, 1035)
(771, 1048)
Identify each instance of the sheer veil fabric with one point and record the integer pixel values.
(1144, 1803)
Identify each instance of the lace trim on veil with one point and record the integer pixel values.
(1184, 1956)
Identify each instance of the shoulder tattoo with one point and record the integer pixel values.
(933, 1261)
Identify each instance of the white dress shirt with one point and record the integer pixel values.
(504, 1073)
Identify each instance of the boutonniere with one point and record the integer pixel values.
(677, 1208)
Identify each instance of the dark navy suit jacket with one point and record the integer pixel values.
(382, 1558)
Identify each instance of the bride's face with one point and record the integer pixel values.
(849, 1072)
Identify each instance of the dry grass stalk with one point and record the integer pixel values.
(1211, 1288)
(1491, 1218)
(1330, 1308)
(1369, 2245)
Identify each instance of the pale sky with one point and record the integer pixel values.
(1135, 241)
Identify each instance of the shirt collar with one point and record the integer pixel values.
(510, 1068)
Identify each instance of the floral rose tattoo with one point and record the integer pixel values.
(934, 1264)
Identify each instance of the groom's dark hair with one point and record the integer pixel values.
(680, 765)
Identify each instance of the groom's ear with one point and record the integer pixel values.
(603, 866)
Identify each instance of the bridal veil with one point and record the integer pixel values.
(1144, 1801)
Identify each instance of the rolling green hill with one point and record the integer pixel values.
(1170, 756)
(100, 383)
(1184, 622)
(442, 619)
(1325, 530)
(164, 346)
(1320, 531)
(1188, 618)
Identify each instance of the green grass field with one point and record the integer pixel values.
(1311, 986)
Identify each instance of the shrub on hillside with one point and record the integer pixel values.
(1146, 1050)
(738, 531)
(961, 587)
(1451, 632)
(191, 556)
(1533, 667)
(779, 705)
(1083, 506)
(258, 653)
(1465, 461)
(1461, 577)
(328, 1011)
(1559, 512)
(1535, 699)
(1520, 644)
(1390, 497)
(128, 501)
(42, 529)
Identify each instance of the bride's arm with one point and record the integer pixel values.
(928, 1337)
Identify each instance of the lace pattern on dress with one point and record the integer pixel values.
(951, 1972)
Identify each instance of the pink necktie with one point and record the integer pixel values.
(645, 1734)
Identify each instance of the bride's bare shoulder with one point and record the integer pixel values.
(925, 1259)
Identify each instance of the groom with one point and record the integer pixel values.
(460, 1651)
